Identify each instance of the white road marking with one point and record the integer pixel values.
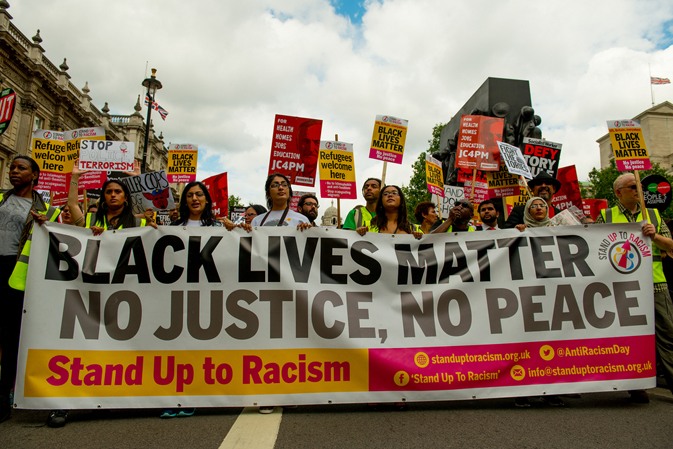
(254, 430)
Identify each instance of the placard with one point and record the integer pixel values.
(182, 160)
(628, 145)
(337, 170)
(388, 139)
(7, 106)
(434, 176)
(218, 188)
(502, 182)
(150, 190)
(106, 155)
(542, 155)
(478, 142)
(569, 194)
(451, 195)
(513, 159)
(294, 148)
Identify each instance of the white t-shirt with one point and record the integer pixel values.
(193, 222)
(291, 219)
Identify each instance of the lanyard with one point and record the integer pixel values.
(282, 218)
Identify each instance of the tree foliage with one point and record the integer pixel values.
(235, 201)
(603, 181)
(417, 189)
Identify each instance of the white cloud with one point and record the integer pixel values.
(228, 67)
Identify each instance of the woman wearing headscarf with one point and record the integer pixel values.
(536, 215)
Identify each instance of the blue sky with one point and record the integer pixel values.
(350, 8)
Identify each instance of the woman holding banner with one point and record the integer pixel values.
(391, 215)
(196, 207)
(115, 211)
(20, 207)
(536, 215)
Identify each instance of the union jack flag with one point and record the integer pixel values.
(162, 112)
(656, 80)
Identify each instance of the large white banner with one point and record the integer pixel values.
(205, 317)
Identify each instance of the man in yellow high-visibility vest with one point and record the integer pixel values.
(628, 210)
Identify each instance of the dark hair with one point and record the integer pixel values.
(207, 214)
(487, 202)
(126, 218)
(380, 221)
(33, 165)
(303, 199)
(258, 208)
(267, 188)
(423, 208)
(96, 205)
(371, 179)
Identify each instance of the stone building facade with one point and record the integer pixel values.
(657, 125)
(46, 99)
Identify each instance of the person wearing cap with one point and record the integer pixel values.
(543, 186)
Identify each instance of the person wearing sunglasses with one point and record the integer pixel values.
(458, 221)
(628, 210)
(542, 186)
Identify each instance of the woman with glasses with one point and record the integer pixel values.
(252, 211)
(278, 196)
(196, 207)
(391, 215)
(536, 214)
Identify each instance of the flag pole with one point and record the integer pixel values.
(336, 138)
(651, 89)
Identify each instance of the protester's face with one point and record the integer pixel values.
(65, 215)
(391, 198)
(21, 173)
(310, 209)
(465, 210)
(371, 190)
(487, 213)
(114, 196)
(628, 191)
(538, 210)
(196, 200)
(250, 214)
(93, 210)
(544, 189)
(431, 216)
(174, 214)
(279, 189)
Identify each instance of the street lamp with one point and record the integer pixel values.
(152, 84)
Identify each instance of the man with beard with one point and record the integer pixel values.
(308, 207)
(489, 216)
(360, 214)
(458, 221)
(543, 186)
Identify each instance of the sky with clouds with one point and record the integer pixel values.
(228, 67)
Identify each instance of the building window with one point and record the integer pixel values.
(38, 123)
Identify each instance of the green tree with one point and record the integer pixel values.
(417, 189)
(603, 180)
(235, 201)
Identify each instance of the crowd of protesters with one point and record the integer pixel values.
(385, 212)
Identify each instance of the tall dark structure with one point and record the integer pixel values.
(497, 97)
